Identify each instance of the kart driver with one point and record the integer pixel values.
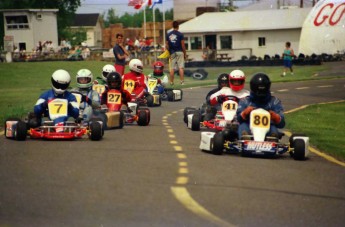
(260, 97)
(135, 80)
(90, 100)
(159, 74)
(235, 89)
(60, 81)
(114, 81)
(105, 71)
(222, 81)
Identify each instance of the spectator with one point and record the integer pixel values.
(287, 58)
(120, 54)
(176, 46)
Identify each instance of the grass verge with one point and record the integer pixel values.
(324, 124)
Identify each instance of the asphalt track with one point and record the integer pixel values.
(157, 176)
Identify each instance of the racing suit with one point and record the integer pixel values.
(134, 83)
(41, 106)
(269, 103)
(89, 104)
(163, 80)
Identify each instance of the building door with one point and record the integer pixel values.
(211, 42)
(22, 46)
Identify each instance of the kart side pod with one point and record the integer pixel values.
(174, 95)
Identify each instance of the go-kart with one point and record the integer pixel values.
(154, 88)
(18, 129)
(205, 118)
(118, 114)
(256, 144)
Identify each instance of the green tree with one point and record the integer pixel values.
(67, 9)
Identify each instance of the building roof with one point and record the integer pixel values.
(29, 10)
(84, 20)
(246, 21)
(274, 4)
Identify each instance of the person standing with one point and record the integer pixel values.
(177, 49)
(288, 54)
(120, 54)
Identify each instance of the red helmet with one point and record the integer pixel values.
(236, 80)
(158, 68)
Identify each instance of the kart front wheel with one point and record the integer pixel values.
(21, 131)
(218, 144)
(186, 111)
(95, 131)
(143, 117)
(149, 100)
(299, 149)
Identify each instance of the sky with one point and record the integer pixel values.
(120, 6)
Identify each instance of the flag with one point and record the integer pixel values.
(156, 2)
(135, 2)
(143, 4)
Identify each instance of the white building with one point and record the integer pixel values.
(26, 27)
(244, 33)
(185, 10)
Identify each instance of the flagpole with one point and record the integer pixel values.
(163, 24)
(144, 23)
(154, 32)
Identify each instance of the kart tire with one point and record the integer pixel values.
(299, 149)
(95, 131)
(291, 140)
(143, 117)
(122, 119)
(170, 95)
(218, 144)
(196, 121)
(199, 74)
(21, 131)
(186, 111)
(149, 100)
(99, 119)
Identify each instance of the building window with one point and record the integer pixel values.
(225, 42)
(195, 43)
(17, 22)
(262, 41)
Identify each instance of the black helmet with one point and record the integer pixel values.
(260, 85)
(114, 80)
(223, 80)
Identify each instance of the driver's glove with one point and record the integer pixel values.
(275, 118)
(246, 112)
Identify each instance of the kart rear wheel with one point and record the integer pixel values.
(95, 131)
(170, 95)
(196, 121)
(186, 111)
(299, 149)
(218, 144)
(149, 100)
(122, 119)
(21, 131)
(143, 117)
(99, 119)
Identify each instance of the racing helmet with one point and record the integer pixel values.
(60, 81)
(223, 80)
(106, 70)
(114, 80)
(158, 67)
(236, 80)
(84, 78)
(260, 85)
(136, 65)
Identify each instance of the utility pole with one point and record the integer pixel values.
(301, 4)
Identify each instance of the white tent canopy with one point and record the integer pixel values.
(323, 30)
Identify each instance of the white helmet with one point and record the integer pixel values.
(136, 65)
(237, 79)
(106, 70)
(60, 81)
(84, 78)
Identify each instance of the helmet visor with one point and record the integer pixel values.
(83, 80)
(58, 85)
